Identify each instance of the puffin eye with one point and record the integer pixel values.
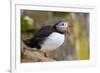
(62, 24)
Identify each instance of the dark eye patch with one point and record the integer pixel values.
(62, 24)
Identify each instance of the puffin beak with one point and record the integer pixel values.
(69, 29)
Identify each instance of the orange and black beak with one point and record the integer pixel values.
(69, 28)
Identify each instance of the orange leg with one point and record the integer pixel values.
(45, 54)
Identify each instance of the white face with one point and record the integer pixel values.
(62, 26)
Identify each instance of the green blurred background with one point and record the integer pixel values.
(75, 47)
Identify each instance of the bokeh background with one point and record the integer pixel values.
(75, 47)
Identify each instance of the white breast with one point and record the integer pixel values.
(54, 41)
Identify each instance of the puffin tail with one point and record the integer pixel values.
(32, 44)
(27, 42)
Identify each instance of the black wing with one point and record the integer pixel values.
(40, 36)
(43, 33)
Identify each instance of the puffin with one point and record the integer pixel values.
(49, 38)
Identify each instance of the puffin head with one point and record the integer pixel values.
(63, 26)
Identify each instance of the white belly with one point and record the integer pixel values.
(54, 41)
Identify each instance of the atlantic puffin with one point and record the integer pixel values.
(49, 38)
